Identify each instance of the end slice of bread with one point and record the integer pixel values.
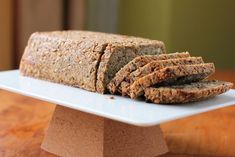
(186, 93)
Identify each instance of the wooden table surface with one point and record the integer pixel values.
(23, 122)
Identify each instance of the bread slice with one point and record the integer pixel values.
(172, 74)
(155, 66)
(186, 93)
(137, 63)
(81, 58)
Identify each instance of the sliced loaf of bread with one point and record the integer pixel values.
(186, 93)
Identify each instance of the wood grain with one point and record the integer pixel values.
(23, 122)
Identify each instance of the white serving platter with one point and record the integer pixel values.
(135, 112)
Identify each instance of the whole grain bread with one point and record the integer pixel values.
(155, 66)
(138, 62)
(118, 54)
(172, 72)
(124, 88)
(186, 93)
(81, 58)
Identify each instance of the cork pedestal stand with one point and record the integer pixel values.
(73, 133)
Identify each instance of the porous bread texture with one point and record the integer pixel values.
(139, 62)
(124, 88)
(172, 72)
(186, 93)
(118, 55)
(82, 58)
(155, 66)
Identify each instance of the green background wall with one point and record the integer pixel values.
(203, 27)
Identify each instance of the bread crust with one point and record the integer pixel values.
(137, 88)
(60, 57)
(186, 93)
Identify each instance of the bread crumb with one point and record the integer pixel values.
(111, 97)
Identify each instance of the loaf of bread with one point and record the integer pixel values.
(132, 66)
(83, 59)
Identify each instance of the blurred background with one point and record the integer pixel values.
(202, 27)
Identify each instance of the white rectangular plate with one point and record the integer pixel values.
(122, 109)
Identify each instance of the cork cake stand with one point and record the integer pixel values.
(87, 124)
